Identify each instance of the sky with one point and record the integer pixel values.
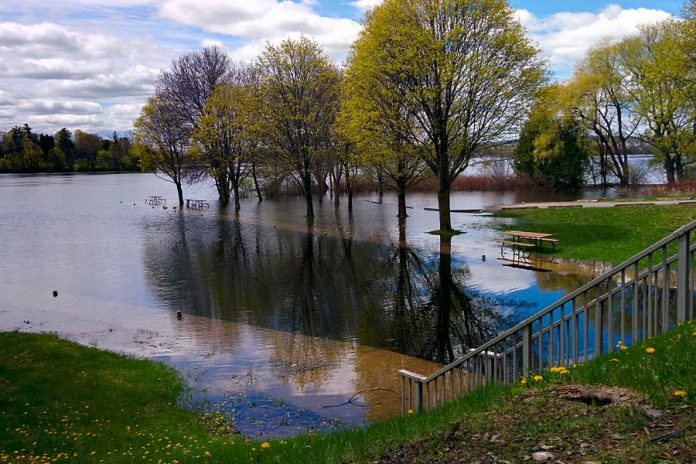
(91, 64)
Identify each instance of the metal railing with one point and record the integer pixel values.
(643, 296)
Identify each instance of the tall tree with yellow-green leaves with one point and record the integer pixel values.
(225, 132)
(300, 90)
(657, 78)
(463, 71)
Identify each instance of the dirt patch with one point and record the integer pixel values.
(564, 424)
(591, 395)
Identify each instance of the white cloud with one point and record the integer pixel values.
(94, 63)
(565, 37)
(365, 4)
(264, 21)
(55, 75)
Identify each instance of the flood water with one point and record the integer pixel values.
(283, 321)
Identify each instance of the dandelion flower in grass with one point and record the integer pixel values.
(563, 371)
(265, 445)
(679, 393)
(409, 412)
(207, 453)
(650, 350)
(538, 378)
(614, 361)
(523, 381)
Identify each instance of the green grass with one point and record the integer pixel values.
(66, 401)
(602, 234)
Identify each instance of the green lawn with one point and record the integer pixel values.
(61, 400)
(602, 234)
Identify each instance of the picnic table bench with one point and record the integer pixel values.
(535, 239)
(193, 203)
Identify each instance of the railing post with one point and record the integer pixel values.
(683, 264)
(527, 354)
(418, 404)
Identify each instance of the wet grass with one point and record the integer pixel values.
(602, 234)
(61, 400)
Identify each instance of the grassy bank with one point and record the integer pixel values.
(60, 400)
(602, 234)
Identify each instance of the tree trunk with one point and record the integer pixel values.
(180, 193)
(401, 197)
(380, 187)
(678, 167)
(336, 184)
(669, 168)
(256, 181)
(307, 187)
(237, 206)
(349, 187)
(223, 188)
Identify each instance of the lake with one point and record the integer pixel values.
(283, 321)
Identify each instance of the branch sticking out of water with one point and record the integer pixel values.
(350, 400)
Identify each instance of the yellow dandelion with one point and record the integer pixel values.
(538, 378)
(614, 361)
(563, 371)
(523, 381)
(624, 347)
(650, 350)
(410, 411)
(265, 445)
(679, 393)
(207, 453)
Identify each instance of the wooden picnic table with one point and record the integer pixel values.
(536, 238)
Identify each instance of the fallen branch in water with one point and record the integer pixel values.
(350, 400)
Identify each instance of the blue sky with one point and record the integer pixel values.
(90, 64)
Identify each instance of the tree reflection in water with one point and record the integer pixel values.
(317, 284)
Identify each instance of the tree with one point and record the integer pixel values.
(464, 71)
(656, 78)
(161, 142)
(225, 132)
(86, 147)
(187, 86)
(551, 149)
(63, 140)
(300, 96)
(598, 97)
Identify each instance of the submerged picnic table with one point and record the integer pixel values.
(155, 200)
(191, 203)
(531, 239)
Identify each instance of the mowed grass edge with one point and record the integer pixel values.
(610, 235)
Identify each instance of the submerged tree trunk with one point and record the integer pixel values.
(256, 181)
(307, 187)
(401, 198)
(179, 192)
(380, 187)
(237, 206)
(223, 188)
(349, 187)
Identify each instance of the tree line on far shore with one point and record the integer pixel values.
(23, 150)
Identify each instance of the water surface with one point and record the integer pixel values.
(283, 320)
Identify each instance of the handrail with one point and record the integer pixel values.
(658, 269)
(593, 283)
